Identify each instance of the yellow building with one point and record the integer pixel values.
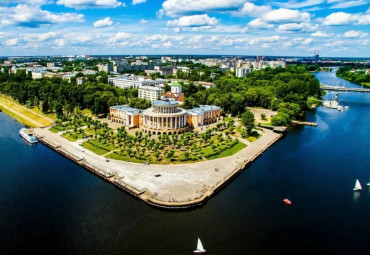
(125, 115)
(203, 115)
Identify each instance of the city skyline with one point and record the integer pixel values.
(220, 27)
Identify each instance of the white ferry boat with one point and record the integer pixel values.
(26, 135)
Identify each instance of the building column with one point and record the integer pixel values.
(175, 122)
(171, 122)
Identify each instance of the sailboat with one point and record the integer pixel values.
(357, 186)
(200, 248)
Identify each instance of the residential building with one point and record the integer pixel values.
(242, 72)
(151, 93)
(105, 67)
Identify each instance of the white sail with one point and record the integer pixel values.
(200, 248)
(358, 185)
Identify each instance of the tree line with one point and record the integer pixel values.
(59, 96)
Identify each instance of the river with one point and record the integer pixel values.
(49, 204)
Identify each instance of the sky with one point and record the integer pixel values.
(336, 28)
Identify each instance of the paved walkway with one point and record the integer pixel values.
(178, 182)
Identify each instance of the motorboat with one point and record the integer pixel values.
(28, 136)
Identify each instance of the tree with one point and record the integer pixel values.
(248, 120)
(59, 110)
(170, 154)
(45, 106)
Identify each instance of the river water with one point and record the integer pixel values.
(49, 204)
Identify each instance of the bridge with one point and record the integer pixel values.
(344, 89)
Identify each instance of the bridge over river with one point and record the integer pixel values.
(344, 89)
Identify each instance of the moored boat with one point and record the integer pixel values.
(26, 135)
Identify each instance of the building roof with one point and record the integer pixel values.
(177, 96)
(164, 103)
(203, 108)
(176, 84)
(125, 108)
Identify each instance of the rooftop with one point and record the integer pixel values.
(164, 103)
(176, 84)
(203, 108)
(125, 108)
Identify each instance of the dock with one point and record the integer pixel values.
(306, 123)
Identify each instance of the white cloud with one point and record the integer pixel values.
(252, 10)
(143, 21)
(258, 23)
(103, 23)
(176, 29)
(320, 34)
(84, 4)
(343, 18)
(295, 4)
(286, 15)
(297, 27)
(260, 40)
(193, 21)
(33, 16)
(175, 8)
(138, 2)
(28, 2)
(119, 37)
(338, 18)
(363, 20)
(11, 42)
(349, 4)
(59, 43)
(354, 34)
(47, 36)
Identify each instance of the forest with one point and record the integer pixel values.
(289, 91)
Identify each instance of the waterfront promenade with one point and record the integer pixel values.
(169, 186)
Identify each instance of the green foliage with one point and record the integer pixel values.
(349, 73)
(281, 119)
(263, 88)
(248, 120)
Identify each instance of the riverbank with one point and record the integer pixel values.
(173, 186)
(22, 114)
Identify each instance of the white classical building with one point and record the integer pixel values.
(151, 93)
(164, 117)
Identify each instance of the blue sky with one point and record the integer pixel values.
(240, 27)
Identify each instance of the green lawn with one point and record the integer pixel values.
(228, 152)
(72, 136)
(93, 148)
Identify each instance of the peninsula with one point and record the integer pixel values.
(169, 142)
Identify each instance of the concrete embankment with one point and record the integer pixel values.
(179, 186)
